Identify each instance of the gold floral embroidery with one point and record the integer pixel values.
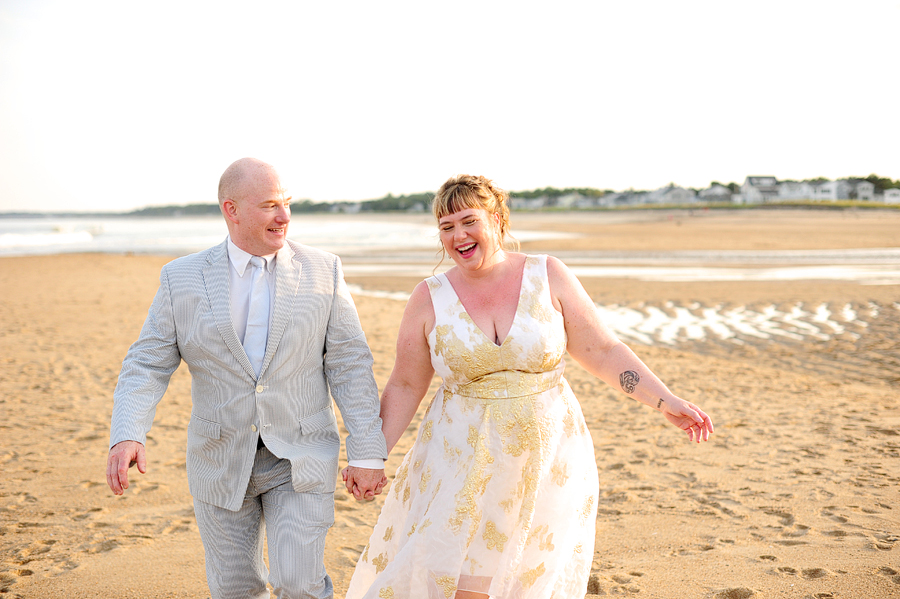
(473, 565)
(417, 465)
(494, 538)
(588, 508)
(547, 544)
(559, 473)
(423, 484)
(451, 454)
(426, 431)
(386, 593)
(474, 485)
(447, 585)
(530, 576)
(365, 554)
(537, 533)
(389, 533)
(569, 423)
(380, 562)
(412, 530)
(400, 478)
(425, 524)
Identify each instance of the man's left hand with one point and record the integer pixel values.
(364, 483)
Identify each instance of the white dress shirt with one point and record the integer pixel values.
(241, 277)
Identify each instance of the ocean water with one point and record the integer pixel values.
(408, 248)
(179, 236)
(381, 245)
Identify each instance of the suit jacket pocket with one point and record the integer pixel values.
(205, 428)
(315, 468)
(321, 419)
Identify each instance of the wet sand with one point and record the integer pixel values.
(795, 496)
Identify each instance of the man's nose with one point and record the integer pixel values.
(284, 214)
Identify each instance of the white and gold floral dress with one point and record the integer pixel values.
(498, 494)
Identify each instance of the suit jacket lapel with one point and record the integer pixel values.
(287, 282)
(217, 280)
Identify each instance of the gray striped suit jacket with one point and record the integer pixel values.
(316, 345)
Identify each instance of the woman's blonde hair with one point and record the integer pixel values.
(474, 191)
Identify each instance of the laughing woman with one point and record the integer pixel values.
(497, 497)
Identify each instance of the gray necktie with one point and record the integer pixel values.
(257, 332)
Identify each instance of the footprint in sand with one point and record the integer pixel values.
(814, 573)
(890, 573)
(886, 542)
(808, 573)
(829, 512)
(103, 546)
(350, 555)
(740, 593)
(184, 525)
(786, 518)
(8, 578)
(87, 514)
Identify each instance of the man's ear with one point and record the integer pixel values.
(229, 209)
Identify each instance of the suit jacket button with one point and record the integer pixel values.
(253, 427)
(259, 388)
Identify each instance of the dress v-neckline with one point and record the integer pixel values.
(515, 314)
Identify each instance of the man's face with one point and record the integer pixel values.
(259, 218)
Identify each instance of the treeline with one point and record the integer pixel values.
(185, 210)
(880, 183)
(389, 203)
(422, 201)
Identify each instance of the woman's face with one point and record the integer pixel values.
(471, 237)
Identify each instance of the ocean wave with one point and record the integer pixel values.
(38, 240)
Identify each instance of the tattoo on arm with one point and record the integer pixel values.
(629, 379)
(659, 403)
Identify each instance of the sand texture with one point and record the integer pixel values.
(797, 494)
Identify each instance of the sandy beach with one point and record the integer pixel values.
(796, 495)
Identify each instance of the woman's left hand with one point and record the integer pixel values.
(688, 417)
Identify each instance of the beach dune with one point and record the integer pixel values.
(796, 494)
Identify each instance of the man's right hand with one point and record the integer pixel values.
(123, 456)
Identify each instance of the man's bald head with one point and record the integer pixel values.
(241, 174)
(256, 206)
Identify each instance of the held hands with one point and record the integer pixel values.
(363, 483)
(688, 417)
(123, 456)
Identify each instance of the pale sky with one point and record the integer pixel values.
(119, 105)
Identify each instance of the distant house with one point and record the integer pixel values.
(891, 196)
(671, 194)
(715, 193)
(758, 189)
(569, 200)
(865, 190)
(844, 189)
(528, 203)
(831, 190)
(794, 190)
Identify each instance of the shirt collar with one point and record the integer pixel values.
(240, 259)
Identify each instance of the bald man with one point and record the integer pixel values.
(263, 442)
